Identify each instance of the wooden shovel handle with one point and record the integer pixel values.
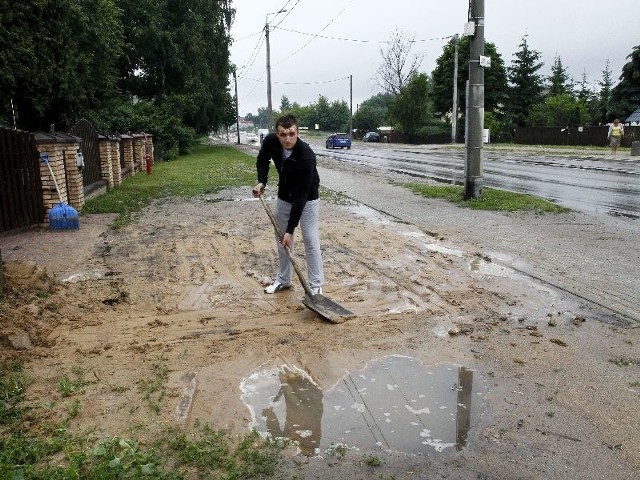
(296, 267)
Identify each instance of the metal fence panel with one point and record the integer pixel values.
(20, 185)
(90, 148)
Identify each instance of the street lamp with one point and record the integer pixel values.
(266, 33)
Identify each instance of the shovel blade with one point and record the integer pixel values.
(327, 308)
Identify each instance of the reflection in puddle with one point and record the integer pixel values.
(285, 402)
(395, 403)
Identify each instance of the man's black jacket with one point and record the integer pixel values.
(299, 181)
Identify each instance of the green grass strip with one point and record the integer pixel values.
(206, 170)
(491, 199)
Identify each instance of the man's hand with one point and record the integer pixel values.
(287, 240)
(258, 190)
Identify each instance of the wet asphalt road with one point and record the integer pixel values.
(583, 181)
(591, 254)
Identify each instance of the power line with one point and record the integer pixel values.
(319, 82)
(288, 12)
(253, 56)
(317, 35)
(314, 37)
(313, 83)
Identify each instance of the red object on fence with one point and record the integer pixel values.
(148, 164)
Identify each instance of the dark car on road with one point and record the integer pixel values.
(371, 137)
(338, 140)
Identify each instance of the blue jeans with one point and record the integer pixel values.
(310, 237)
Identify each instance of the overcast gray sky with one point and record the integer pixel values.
(317, 44)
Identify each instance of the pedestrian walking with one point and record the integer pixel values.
(616, 131)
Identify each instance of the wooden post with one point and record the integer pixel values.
(1, 275)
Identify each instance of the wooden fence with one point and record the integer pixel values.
(575, 136)
(84, 166)
(21, 203)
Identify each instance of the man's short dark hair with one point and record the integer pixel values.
(286, 121)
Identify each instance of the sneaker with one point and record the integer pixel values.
(316, 291)
(275, 287)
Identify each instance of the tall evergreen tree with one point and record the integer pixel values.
(495, 77)
(625, 96)
(559, 78)
(604, 95)
(526, 84)
(584, 93)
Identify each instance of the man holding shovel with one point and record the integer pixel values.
(298, 200)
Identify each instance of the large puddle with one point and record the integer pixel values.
(394, 403)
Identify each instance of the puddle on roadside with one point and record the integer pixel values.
(476, 264)
(95, 274)
(394, 403)
(369, 213)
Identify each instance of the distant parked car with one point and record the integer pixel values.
(338, 140)
(371, 137)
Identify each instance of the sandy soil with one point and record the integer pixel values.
(177, 296)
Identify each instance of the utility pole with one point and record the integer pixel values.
(235, 81)
(350, 105)
(454, 109)
(266, 36)
(475, 105)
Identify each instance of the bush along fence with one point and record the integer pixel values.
(82, 167)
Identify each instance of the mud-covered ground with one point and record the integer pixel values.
(176, 298)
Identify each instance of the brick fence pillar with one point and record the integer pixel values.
(115, 161)
(127, 149)
(47, 143)
(106, 169)
(70, 149)
(138, 151)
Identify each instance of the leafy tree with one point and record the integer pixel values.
(367, 118)
(340, 115)
(411, 108)
(526, 84)
(58, 60)
(262, 118)
(373, 112)
(322, 114)
(180, 48)
(285, 104)
(559, 79)
(561, 110)
(332, 116)
(398, 65)
(305, 115)
(495, 77)
(625, 96)
(162, 119)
